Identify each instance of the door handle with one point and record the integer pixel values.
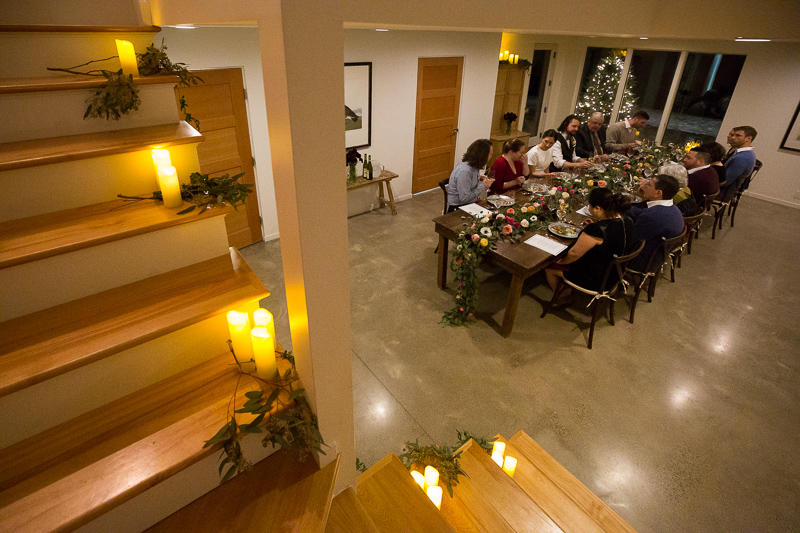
(455, 130)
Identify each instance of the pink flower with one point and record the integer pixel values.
(475, 237)
(601, 183)
(501, 217)
(516, 224)
(510, 211)
(509, 219)
(507, 229)
(536, 204)
(559, 187)
(572, 191)
(471, 314)
(561, 200)
(585, 191)
(461, 309)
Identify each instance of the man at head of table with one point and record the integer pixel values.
(591, 137)
(660, 218)
(564, 156)
(739, 165)
(621, 136)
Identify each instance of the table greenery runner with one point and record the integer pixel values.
(509, 224)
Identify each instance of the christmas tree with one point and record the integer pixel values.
(600, 89)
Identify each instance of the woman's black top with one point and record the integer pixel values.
(618, 238)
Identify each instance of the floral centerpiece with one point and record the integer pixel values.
(351, 159)
(509, 118)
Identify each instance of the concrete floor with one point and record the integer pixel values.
(688, 420)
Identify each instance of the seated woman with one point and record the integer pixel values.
(586, 261)
(466, 182)
(540, 156)
(717, 152)
(511, 168)
(684, 199)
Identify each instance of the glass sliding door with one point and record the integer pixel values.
(704, 93)
(602, 72)
(647, 87)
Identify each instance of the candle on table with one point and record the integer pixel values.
(127, 58)
(419, 478)
(264, 353)
(262, 317)
(169, 185)
(505, 55)
(435, 494)
(161, 157)
(431, 476)
(239, 329)
(509, 465)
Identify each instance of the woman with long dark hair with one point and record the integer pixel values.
(466, 182)
(511, 168)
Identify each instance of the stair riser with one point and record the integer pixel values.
(55, 280)
(170, 495)
(38, 115)
(63, 50)
(88, 181)
(49, 403)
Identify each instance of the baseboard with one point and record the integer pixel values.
(795, 205)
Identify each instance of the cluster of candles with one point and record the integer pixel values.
(513, 59)
(257, 343)
(429, 482)
(506, 462)
(167, 178)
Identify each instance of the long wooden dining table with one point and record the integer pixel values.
(518, 259)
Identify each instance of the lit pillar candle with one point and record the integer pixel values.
(431, 476)
(505, 55)
(264, 353)
(509, 465)
(435, 494)
(161, 157)
(127, 58)
(516, 58)
(419, 478)
(501, 56)
(262, 317)
(239, 329)
(499, 446)
(497, 457)
(170, 186)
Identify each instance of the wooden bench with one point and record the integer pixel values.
(385, 177)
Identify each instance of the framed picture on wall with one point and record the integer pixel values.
(791, 141)
(358, 105)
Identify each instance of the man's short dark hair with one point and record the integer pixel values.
(566, 122)
(749, 131)
(714, 149)
(641, 114)
(705, 156)
(667, 185)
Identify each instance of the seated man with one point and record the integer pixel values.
(591, 137)
(621, 136)
(740, 163)
(564, 156)
(661, 218)
(703, 180)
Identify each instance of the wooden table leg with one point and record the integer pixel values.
(381, 201)
(441, 271)
(514, 293)
(391, 196)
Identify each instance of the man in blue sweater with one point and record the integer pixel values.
(740, 163)
(661, 218)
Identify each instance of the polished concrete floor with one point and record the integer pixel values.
(687, 420)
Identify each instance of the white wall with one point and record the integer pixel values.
(394, 56)
(218, 47)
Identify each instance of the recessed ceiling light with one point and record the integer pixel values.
(741, 40)
(186, 26)
(381, 29)
(643, 38)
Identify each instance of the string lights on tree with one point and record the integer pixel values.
(600, 89)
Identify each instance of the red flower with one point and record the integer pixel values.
(507, 229)
(510, 211)
(516, 224)
(461, 309)
(509, 219)
(601, 183)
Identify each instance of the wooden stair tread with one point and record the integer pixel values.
(496, 487)
(60, 28)
(533, 455)
(69, 475)
(280, 493)
(348, 515)
(65, 83)
(23, 154)
(53, 341)
(395, 502)
(34, 238)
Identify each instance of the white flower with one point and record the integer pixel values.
(501, 217)
(565, 195)
(524, 223)
(458, 247)
(486, 232)
(534, 218)
(523, 209)
(485, 220)
(553, 191)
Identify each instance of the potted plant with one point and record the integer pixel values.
(350, 160)
(509, 118)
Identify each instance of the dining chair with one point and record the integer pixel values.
(618, 265)
(651, 271)
(443, 185)
(693, 225)
(745, 185)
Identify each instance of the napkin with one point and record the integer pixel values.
(548, 245)
(584, 211)
(475, 210)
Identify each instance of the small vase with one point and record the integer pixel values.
(351, 175)
(508, 128)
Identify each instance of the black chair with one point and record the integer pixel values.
(651, 272)
(693, 226)
(443, 184)
(620, 265)
(745, 185)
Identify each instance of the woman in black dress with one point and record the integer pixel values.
(610, 234)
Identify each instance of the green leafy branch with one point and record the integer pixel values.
(118, 96)
(442, 458)
(205, 190)
(290, 423)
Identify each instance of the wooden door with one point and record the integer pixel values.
(219, 104)
(438, 100)
(508, 96)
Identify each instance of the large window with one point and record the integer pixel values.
(602, 71)
(649, 79)
(703, 96)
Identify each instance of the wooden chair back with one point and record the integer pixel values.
(701, 209)
(443, 184)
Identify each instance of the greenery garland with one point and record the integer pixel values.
(481, 235)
